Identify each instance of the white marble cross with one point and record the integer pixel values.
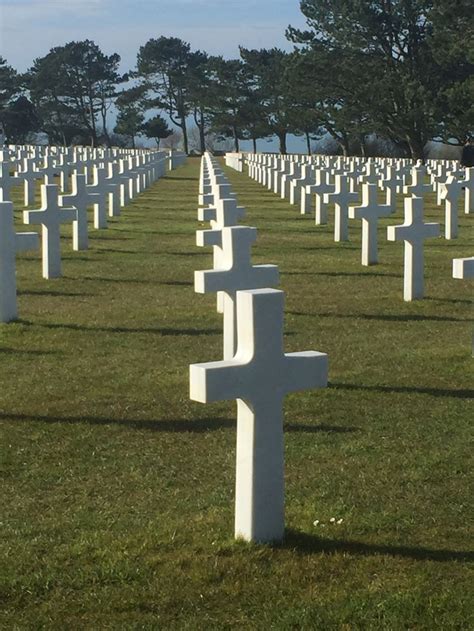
(113, 185)
(6, 182)
(11, 242)
(320, 190)
(259, 376)
(28, 175)
(418, 186)
(342, 198)
(225, 213)
(413, 232)
(81, 198)
(370, 212)
(50, 216)
(451, 193)
(392, 184)
(463, 268)
(235, 272)
(469, 191)
(100, 187)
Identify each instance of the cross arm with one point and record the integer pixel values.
(26, 241)
(463, 268)
(216, 381)
(206, 214)
(209, 237)
(305, 370)
(255, 277)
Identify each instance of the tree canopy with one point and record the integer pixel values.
(398, 69)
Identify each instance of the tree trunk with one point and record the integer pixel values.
(282, 139)
(308, 142)
(202, 135)
(254, 142)
(416, 148)
(343, 140)
(184, 129)
(363, 148)
(236, 141)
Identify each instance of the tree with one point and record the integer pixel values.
(271, 84)
(130, 104)
(382, 66)
(9, 84)
(306, 93)
(75, 85)
(20, 120)
(129, 123)
(168, 69)
(18, 117)
(228, 91)
(156, 128)
(452, 45)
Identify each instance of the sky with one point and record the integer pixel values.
(30, 28)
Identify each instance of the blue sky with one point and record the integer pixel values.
(29, 28)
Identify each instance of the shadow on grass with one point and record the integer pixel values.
(137, 281)
(304, 543)
(168, 425)
(87, 259)
(450, 300)
(94, 238)
(382, 316)
(188, 253)
(181, 179)
(121, 329)
(316, 429)
(16, 351)
(114, 251)
(51, 293)
(336, 274)
(177, 283)
(435, 392)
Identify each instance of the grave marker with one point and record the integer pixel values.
(49, 217)
(259, 376)
(11, 242)
(413, 232)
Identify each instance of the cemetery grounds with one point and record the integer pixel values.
(118, 490)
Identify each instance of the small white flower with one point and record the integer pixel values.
(315, 522)
(332, 520)
(339, 521)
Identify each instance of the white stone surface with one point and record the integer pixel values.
(235, 272)
(413, 232)
(259, 376)
(80, 198)
(342, 198)
(451, 193)
(463, 268)
(11, 242)
(49, 217)
(369, 212)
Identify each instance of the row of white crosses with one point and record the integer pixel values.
(115, 179)
(335, 180)
(255, 370)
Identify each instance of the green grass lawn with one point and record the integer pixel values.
(117, 509)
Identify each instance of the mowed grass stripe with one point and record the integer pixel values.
(118, 490)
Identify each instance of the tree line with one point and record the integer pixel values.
(400, 69)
